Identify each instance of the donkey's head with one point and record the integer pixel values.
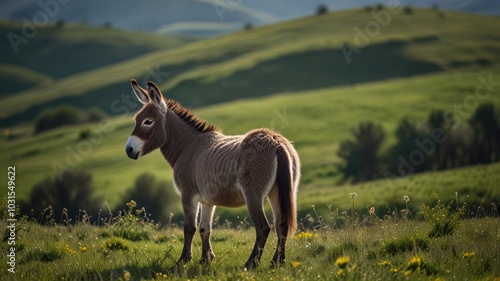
(149, 131)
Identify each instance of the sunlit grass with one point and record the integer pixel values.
(57, 252)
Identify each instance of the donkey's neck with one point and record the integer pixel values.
(179, 135)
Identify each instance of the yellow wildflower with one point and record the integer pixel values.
(468, 255)
(384, 263)
(341, 272)
(342, 262)
(127, 276)
(414, 264)
(305, 235)
(394, 269)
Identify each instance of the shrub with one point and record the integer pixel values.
(248, 26)
(68, 196)
(157, 196)
(115, 244)
(60, 116)
(43, 255)
(408, 10)
(60, 23)
(442, 220)
(321, 10)
(94, 114)
(407, 132)
(66, 115)
(134, 225)
(405, 244)
(361, 154)
(486, 138)
(84, 134)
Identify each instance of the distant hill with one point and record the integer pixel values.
(209, 17)
(292, 56)
(58, 51)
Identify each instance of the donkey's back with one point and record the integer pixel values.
(222, 166)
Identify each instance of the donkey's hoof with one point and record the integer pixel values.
(208, 258)
(177, 268)
(275, 264)
(249, 265)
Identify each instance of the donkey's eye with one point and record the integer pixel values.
(148, 122)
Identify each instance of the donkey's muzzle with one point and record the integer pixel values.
(131, 153)
(133, 147)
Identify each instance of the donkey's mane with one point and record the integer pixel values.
(187, 116)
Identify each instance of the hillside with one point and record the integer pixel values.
(293, 56)
(316, 121)
(56, 52)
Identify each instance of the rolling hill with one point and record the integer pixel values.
(298, 55)
(58, 51)
(316, 121)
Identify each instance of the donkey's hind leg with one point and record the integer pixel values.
(280, 226)
(207, 213)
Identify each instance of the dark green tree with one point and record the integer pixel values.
(407, 133)
(74, 192)
(321, 10)
(59, 116)
(486, 138)
(361, 154)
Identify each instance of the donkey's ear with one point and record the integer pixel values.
(141, 94)
(156, 96)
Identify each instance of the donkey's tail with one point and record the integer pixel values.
(287, 200)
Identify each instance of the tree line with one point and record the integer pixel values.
(440, 142)
(68, 198)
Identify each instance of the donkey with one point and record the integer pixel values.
(211, 169)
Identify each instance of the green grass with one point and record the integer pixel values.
(388, 250)
(297, 55)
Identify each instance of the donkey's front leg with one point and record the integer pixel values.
(207, 213)
(190, 207)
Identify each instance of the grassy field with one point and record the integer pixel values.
(389, 248)
(302, 54)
